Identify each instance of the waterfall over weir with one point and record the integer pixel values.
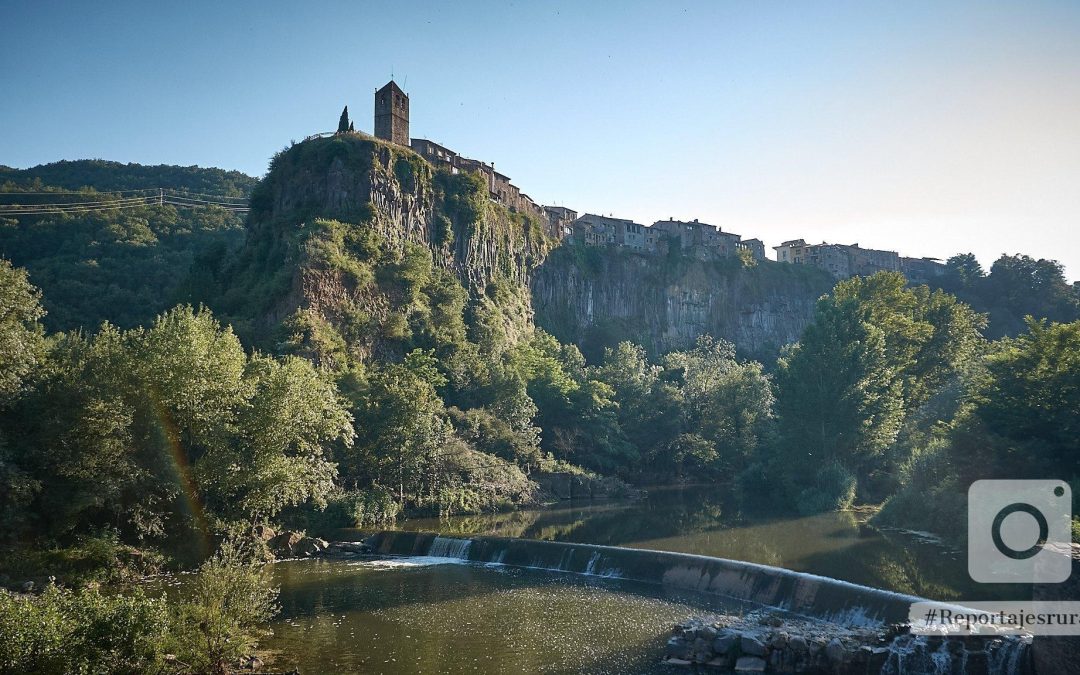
(446, 547)
(806, 594)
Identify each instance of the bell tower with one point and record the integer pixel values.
(392, 114)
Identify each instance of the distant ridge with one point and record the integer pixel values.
(107, 176)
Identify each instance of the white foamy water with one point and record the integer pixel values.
(408, 561)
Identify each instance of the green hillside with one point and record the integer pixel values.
(116, 260)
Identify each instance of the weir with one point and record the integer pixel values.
(805, 594)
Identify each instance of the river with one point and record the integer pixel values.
(438, 614)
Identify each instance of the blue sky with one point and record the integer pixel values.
(924, 127)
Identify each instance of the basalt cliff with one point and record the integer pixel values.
(598, 297)
(355, 247)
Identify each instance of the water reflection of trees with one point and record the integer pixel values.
(702, 520)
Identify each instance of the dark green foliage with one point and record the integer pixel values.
(223, 612)
(65, 631)
(123, 265)
(343, 121)
(102, 176)
(875, 352)
(1017, 286)
(143, 430)
(83, 631)
(21, 342)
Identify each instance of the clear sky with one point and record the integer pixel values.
(924, 127)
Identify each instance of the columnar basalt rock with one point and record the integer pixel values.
(595, 297)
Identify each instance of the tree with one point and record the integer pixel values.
(839, 399)
(727, 403)
(21, 341)
(964, 270)
(343, 121)
(1030, 401)
(405, 426)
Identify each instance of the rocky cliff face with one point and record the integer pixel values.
(355, 245)
(597, 297)
(393, 191)
(309, 264)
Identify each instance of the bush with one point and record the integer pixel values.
(99, 559)
(833, 490)
(372, 507)
(65, 631)
(218, 621)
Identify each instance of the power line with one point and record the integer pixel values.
(164, 196)
(142, 202)
(101, 193)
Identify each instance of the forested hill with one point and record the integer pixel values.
(113, 256)
(105, 176)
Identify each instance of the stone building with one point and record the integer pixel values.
(699, 239)
(392, 114)
(500, 189)
(922, 269)
(559, 220)
(867, 261)
(793, 251)
(840, 260)
(594, 230)
(755, 246)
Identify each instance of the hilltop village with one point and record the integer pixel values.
(698, 239)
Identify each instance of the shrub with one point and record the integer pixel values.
(65, 631)
(833, 489)
(218, 621)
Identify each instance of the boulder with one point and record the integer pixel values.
(678, 648)
(725, 642)
(835, 651)
(798, 645)
(284, 544)
(750, 664)
(264, 532)
(751, 645)
(309, 546)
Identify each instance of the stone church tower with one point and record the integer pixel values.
(392, 114)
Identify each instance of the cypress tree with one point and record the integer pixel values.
(343, 122)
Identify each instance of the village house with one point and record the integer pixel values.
(594, 230)
(699, 239)
(560, 220)
(922, 269)
(840, 260)
(755, 246)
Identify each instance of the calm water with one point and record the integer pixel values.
(411, 616)
(697, 520)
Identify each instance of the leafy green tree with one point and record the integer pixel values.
(281, 455)
(876, 352)
(576, 411)
(839, 399)
(1030, 401)
(343, 121)
(21, 341)
(404, 427)
(964, 270)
